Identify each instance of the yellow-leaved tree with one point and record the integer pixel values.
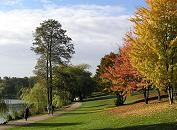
(154, 43)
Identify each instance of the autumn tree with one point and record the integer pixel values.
(54, 47)
(123, 76)
(107, 61)
(154, 43)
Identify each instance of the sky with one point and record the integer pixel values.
(97, 27)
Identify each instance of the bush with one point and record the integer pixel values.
(57, 102)
(8, 117)
(14, 115)
(21, 114)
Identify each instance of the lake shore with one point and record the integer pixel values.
(22, 122)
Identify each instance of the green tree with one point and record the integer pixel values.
(74, 79)
(11, 87)
(36, 97)
(3, 106)
(54, 47)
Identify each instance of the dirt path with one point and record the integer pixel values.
(34, 119)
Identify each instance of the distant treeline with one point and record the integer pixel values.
(10, 87)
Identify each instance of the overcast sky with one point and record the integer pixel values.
(97, 27)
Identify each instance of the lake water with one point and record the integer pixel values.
(13, 105)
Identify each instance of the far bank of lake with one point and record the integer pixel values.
(14, 106)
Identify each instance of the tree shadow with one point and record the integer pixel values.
(149, 99)
(98, 95)
(95, 106)
(163, 126)
(52, 124)
(99, 98)
(81, 112)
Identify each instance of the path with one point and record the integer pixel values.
(34, 119)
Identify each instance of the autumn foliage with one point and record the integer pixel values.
(154, 43)
(123, 76)
(106, 62)
(149, 55)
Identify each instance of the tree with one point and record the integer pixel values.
(54, 47)
(3, 106)
(11, 87)
(107, 61)
(75, 80)
(154, 43)
(36, 97)
(123, 76)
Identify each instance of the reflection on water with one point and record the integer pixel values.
(13, 105)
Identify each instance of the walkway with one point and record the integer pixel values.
(34, 119)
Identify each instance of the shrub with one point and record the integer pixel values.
(8, 117)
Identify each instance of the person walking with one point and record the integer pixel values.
(26, 113)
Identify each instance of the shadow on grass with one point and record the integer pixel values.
(52, 124)
(81, 113)
(98, 95)
(99, 98)
(150, 99)
(96, 106)
(163, 126)
(91, 110)
(113, 96)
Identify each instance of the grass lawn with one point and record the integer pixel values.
(100, 114)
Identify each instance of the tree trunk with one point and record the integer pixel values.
(170, 94)
(47, 80)
(146, 95)
(170, 85)
(120, 99)
(50, 67)
(50, 70)
(124, 99)
(145, 100)
(158, 92)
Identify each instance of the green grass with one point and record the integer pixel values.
(95, 114)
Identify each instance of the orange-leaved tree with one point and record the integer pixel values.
(107, 61)
(123, 76)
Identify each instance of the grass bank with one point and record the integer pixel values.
(99, 113)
